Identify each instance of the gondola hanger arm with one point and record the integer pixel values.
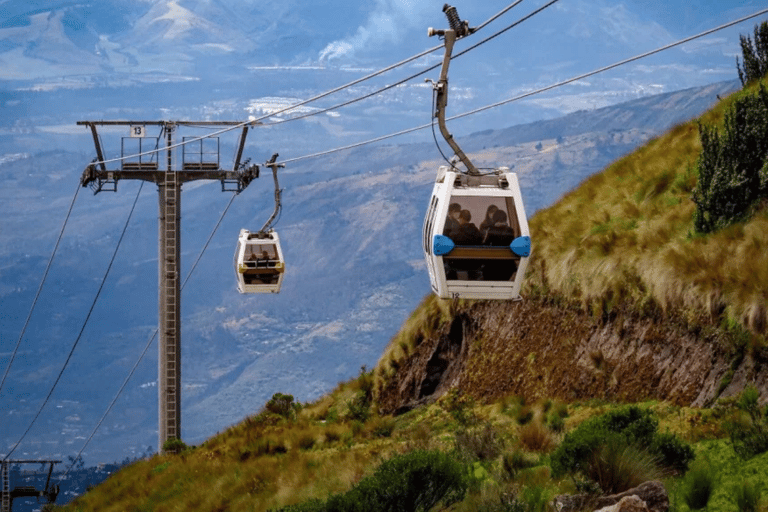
(274, 166)
(458, 30)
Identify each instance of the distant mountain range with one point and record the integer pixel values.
(351, 230)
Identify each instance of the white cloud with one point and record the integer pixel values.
(386, 24)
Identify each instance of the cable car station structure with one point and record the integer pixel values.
(140, 160)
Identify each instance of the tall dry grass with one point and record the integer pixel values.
(625, 237)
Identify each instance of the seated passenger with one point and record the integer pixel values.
(452, 220)
(499, 234)
(263, 259)
(467, 233)
(488, 221)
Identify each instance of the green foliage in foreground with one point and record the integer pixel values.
(733, 165)
(755, 55)
(624, 426)
(698, 486)
(416, 481)
(750, 437)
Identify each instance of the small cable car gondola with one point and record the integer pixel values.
(259, 263)
(466, 259)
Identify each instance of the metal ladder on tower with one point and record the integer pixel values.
(171, 306)
(6, 489)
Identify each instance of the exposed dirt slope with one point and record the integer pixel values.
(534, 350)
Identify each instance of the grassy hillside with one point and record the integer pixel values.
(622, 243)
(625, 238)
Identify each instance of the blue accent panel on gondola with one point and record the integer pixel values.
(442, 245)
(521, 246)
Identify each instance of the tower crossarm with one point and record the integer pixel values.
(96, 178)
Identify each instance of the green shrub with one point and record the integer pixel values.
(536, 498)
(755, 55)
(617, 467)
(747, 496)
(415, 481)
(359, 408)
(174, 445)
(750, 438)
(698, 485)
(624, 426)
(282, 405)
(730, 163)
(673, 453)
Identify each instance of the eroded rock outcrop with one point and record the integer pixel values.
(537, 350)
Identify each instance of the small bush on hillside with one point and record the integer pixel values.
(731, 163)
(621, 427)
(282, 405)
(698, 486)
(359, 408)
(536, 498)
(755, 55)
(174, 445)
(747, 496)
(415, 481)
(750, 438)
(617, 466)
(536, 437)
(479, 444)
(382, 426)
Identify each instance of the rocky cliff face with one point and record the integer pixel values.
(534, 350)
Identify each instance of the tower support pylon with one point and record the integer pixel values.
(169, 180)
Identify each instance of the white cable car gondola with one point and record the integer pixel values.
(464, 260)
(259, 263)
(467, 261)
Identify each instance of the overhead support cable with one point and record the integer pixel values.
(615, 65)
(82, 329)
(255, 121)
(422, 72)
(40, 287)
(530, 93)
(497, 15)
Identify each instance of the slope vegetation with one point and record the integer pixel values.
(623, 299)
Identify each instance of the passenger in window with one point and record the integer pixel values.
(488, 221)
(467, 234)
(499, 234)
(263, 259)
(452, 221)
